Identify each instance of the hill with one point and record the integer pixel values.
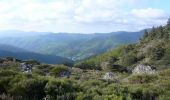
(73, 46)
(152, 49)
(11, 51)
(11, 48)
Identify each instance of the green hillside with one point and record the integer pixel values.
(73, 46)
(11, 51)
(152, 49)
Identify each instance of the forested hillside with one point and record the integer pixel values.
(152, 49)
(11, 51)
(72, 46)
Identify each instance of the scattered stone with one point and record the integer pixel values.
(143, 69)
(25, 68)
(9, 59)
(104, 65)
(64, 74)
(109, 76)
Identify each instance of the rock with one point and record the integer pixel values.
(64, 74)
(109, 76)
(1, 60)
(25, 68)
(104, 65)
(8, 59)
(143, 69)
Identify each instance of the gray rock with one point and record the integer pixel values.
(143, 69)
(104, 65)
(65, 74)
(109, 76)
(25, 68)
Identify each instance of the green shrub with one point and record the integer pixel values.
(143, 78)
(58, 69)
(165, 72)
(60, 89)
(27, 87)
(129, 60)
(88, 65)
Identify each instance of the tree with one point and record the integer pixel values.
(160, 32)
(152, 33)
(156, 53)
(168, 24)
(145, 34)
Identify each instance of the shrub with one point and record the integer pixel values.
(87, 65)
(60, 90)
(165, 72)
(143, 78)
(27, 87)
(129, 60)
(58, 69)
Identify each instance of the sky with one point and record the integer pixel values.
(82, 16)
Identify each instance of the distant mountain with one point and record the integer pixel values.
(17, 33)
(10, 48)
(72, 46)
(11, 51)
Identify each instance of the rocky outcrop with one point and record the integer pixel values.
(9, 59)
(25, 68)
(143, 69)
(109, 76)
(104, 65)
(65, 74)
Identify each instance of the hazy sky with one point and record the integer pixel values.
(85, 16)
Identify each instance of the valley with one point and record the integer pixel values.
(72, 46)
(135, 71)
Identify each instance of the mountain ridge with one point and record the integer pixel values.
(73, 46)
(11, 51)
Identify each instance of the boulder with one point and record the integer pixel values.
(25, 68)
(143, 69)
(104, 65)
(109, 76)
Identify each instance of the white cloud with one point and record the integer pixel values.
(149, 13)
(149, 17)
(99, 10)
(78, 15)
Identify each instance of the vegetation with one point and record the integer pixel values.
(57, 70)
(86, 82)
(152, 49)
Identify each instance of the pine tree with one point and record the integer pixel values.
(168, 24)
(152, 34)
(145, 34)
(160, 32)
